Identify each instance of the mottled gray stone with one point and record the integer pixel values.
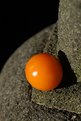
(41, 113)
(51, 45)
(19, 101)
(15, 92)
(69, 33)
(68, 97)
(62, 98)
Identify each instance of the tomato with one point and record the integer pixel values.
(44, 71)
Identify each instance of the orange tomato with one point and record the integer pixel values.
(44, 71)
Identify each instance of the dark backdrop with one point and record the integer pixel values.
(20, 21)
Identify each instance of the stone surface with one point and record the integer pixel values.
(16, 93)
(68, 95)
(20, 102)
(51, 45)
(14, 89)
(69, 29)
(41, 113)
(68, 98)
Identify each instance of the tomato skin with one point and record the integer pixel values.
(44, 71)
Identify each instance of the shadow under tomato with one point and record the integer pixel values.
(69, 77)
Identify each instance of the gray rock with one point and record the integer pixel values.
(41, 113)
(68, 97)
(15, 92)
(69, 33)
(51, 45)
(20, 102)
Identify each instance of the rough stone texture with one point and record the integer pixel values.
(51, 45)
(68, 97)
(41, 113)
(15, 92)
(16, 95)
(69, 29)
(63, 98)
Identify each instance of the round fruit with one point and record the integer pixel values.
(44, 71)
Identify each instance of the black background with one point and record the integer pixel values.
(20, 21)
